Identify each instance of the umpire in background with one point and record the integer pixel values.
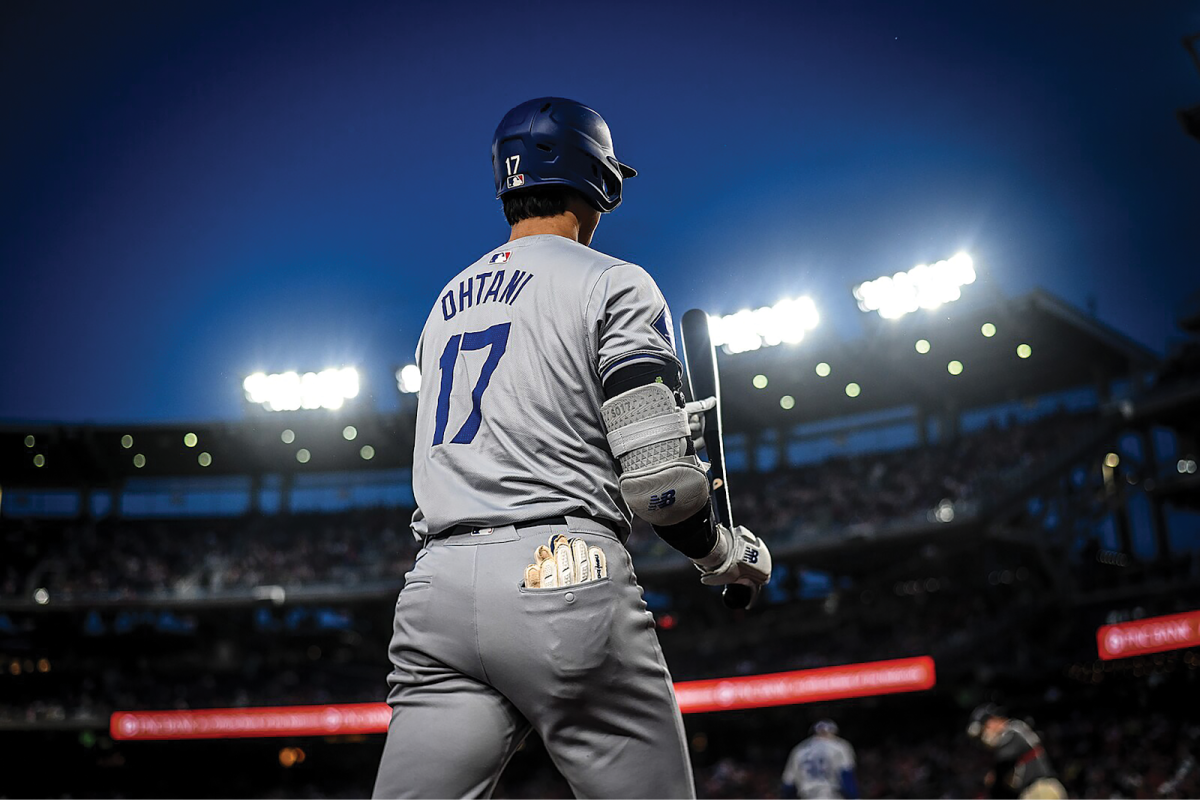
(1022, 767)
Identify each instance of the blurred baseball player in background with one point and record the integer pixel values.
(1022, 766)
(550, 407)
(821, 766)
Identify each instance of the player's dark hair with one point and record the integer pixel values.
(538, 201)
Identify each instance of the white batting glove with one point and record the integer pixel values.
(738, 557)
(565, 562)
(695, 414)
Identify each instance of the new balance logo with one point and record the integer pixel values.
(660, 501)
(751, 556)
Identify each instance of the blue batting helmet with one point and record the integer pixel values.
(554, 141)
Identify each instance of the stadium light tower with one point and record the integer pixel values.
(408, 379)
(786, 321)
(923, 286)
(291, 391)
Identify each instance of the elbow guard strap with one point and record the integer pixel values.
(649, 434)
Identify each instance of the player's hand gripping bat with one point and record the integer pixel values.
(703, 381)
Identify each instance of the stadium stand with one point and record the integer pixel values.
(992, 520)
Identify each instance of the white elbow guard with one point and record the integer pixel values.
(649, 434)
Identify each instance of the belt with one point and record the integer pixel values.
(529, 523)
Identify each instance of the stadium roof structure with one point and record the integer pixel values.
(284, 443)
(1067, 349)
(949, 360)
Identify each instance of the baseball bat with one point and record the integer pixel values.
(700, 359)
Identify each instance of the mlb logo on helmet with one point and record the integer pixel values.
(500, 258)
(516, 180)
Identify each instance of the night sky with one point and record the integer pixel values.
(193, 191)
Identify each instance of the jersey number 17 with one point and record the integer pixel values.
(496, 339)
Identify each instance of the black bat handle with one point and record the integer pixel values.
(701, 358)
(737, 595)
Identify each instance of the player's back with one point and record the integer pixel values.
(508, 423)
(816, 765)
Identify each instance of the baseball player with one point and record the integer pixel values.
(550, 407)
(821, 766)
(1022, 766)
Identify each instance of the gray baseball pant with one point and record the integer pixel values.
(479, 661)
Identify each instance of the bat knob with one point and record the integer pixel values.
(738, 595)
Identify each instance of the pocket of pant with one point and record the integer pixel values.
(571, 624)
(409, 623)
(413, 584)
(413, 594)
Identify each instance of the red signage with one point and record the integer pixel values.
(807, 685)
(234, 723)
(1150, 635)
(722, 694)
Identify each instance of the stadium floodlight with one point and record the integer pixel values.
(290, 391)
(786, 321)
(923, 286)
(408, 379)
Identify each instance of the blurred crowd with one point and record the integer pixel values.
(933, 484)
(93, 698)
(334, 649)
(1097, 754)
(115, 558)
(118, 558)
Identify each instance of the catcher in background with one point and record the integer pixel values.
(821, 766)
(1022, 767)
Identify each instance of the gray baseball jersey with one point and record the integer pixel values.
(511, 454)
(512, 360)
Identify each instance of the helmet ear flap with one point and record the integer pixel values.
(608, 181)
(612, 184)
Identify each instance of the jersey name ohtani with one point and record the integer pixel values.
(477, 290)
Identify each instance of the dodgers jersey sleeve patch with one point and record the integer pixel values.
(662, 324)
(632, 318)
